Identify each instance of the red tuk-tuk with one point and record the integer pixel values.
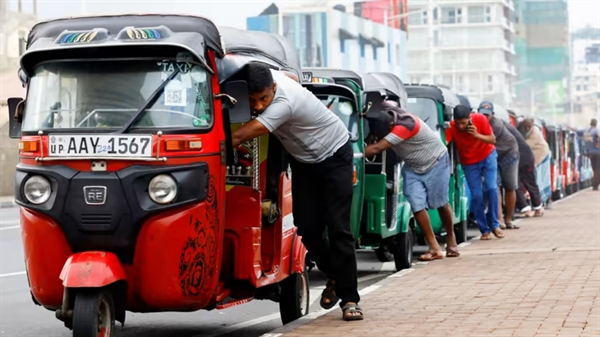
(131, 195)
(513, 118)
(554, 137)
(572, 155)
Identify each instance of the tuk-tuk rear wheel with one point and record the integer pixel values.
(93, 315)
(295, 297)
(403, 256)
(460, 231)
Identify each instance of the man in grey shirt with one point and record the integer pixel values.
(508, 164)
(322, 168)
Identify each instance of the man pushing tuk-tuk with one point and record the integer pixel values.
(322, 168)
(426, 170)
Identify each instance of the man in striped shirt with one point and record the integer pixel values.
(426, 170)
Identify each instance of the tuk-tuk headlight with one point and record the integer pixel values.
(37, 190)
(162, 189)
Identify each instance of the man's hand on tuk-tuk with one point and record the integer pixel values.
(376, 148)
(247, 132)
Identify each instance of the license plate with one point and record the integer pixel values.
(100, 145)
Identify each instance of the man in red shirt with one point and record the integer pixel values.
(474, 140)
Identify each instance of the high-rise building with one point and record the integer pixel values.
(466, 45)
(542, 49)
(328, 34)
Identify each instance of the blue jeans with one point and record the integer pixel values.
(428, 190)
(486, 170)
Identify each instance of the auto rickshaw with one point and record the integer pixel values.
(126, 172)
(379, 212)
(572, 155)
(513, 118)
(434, 105)
(584, 164)
(555, 143)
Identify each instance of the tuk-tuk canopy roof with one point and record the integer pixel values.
(501, 112)
(446, 96)
(256, 43)
(313, 75)
(386, 82)
(191, 33)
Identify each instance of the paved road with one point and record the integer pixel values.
(19, 317)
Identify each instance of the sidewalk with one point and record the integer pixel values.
(541, 280)
(6, 202)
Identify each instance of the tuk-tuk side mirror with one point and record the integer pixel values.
(446, 125)
(23, 77)
(239, 106)
(15, 116)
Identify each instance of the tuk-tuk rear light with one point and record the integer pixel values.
(354, 176)
(28, 146)
(183, 145)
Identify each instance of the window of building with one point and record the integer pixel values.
(436, 37)
(288, 28)
(490, 83)
(476, 14)
(448, 15)
(436, 18)
(578, 88)
(577, 107)
(362, 50)
(374, 53)
(398, 54)
(459, 15)
(415, 19)
(424, 17)
(488, 14)
(342, 46)
(389, 49)
(585, 88)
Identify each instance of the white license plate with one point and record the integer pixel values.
(100, 145)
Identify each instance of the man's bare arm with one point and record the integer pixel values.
(248, 131)
(376, 148)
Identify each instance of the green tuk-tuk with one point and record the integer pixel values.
(434, 105)
(379, 212)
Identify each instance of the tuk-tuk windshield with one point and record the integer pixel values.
(74, 95)
(344, 108)
(426, 109)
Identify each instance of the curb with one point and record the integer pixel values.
(8, 204)
(316, 314)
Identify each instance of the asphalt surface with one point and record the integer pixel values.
(20, 317)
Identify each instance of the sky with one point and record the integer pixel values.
(230, 12)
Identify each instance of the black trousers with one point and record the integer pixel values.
(528, 181)
(595, 159)
(322, 197)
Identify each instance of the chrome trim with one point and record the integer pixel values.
(38, 159)
(85, 191)
(358, 155)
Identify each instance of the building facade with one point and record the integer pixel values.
(464, 44)
(15, 27)
(542, 45)
(326, 35)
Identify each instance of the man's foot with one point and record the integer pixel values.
(511, 225)
(352, 312)
(539, 213)
(452, 252)
(485, 237)
(498, 233)
(328, 297)
(430, 256)
(502, 225)
(522, 215)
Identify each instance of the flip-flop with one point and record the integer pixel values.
(329, 294)
(485, 237)
(512, 226)
(499, 236)
(352, 308)
(452, 252)
(429, 256)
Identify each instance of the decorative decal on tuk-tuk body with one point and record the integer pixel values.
(240, 174)
(87, 36)
(199, 253)
(146, 33)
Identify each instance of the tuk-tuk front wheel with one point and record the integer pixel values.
(93, 315)
(295, 297)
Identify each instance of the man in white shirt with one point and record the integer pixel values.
(322, 167)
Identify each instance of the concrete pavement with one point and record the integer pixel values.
(7, 202)
(541, 280)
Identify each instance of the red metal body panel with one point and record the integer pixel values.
(92, 269)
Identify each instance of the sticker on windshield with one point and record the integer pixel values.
(184, 57)
(198, 74)
(175, 94)
(186, 79)
(200, 122)
(411, 100)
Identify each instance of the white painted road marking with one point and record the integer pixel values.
(9, 227)
(13, 274)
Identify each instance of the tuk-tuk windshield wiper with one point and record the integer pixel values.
(153, 97)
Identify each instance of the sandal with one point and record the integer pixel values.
(498, 233)
(452, 252)
(524, 215)
(510, 225)
(485, 237)
(539, 213)
(350, 310)
(430, 256)
(328, 297)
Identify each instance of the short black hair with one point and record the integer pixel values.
(593, 122)
(259, 77)
(461, 112)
